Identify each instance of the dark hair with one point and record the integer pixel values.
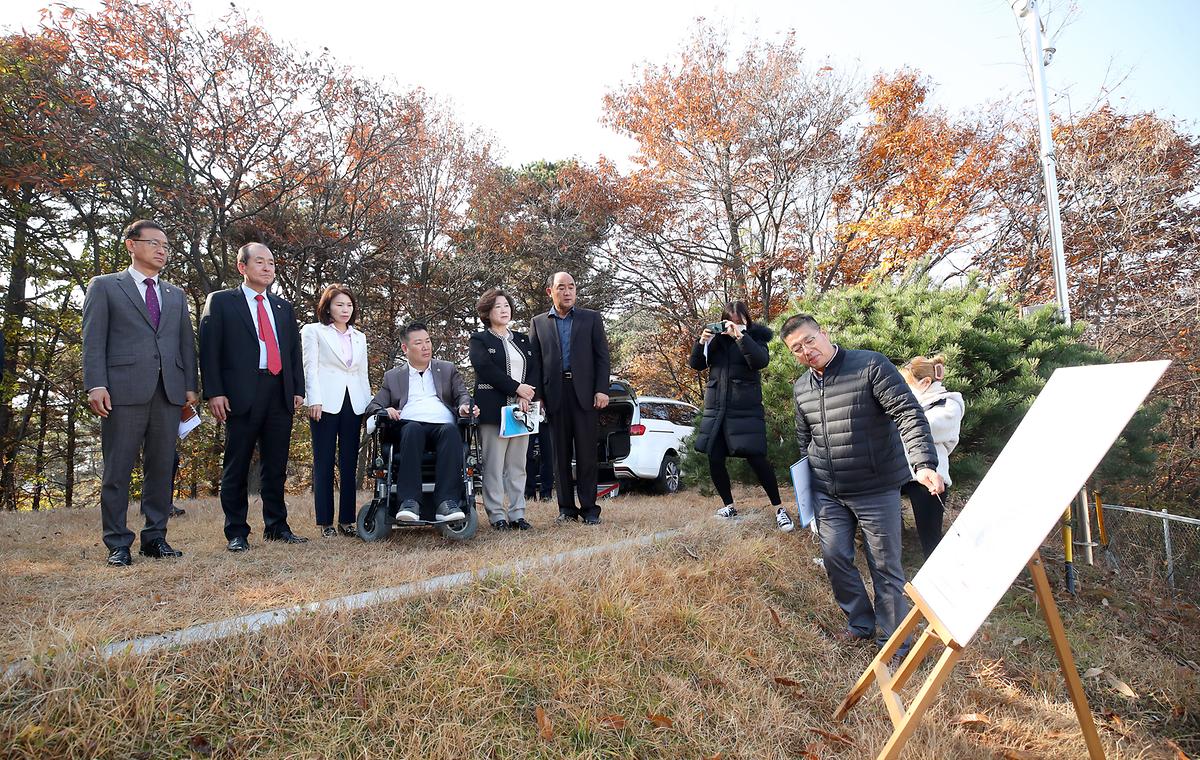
(795, 322)
(134, 230)
(411, 328)
(487, 302)
(244, 252)
(324, 315)
(740, 309)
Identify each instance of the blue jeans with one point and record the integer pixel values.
(878, 514)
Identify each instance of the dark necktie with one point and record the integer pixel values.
(152, 303)
(274, 362)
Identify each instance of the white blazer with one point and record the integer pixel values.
(326, 376)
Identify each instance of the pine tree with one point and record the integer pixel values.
(997, 359)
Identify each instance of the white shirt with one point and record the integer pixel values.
(139, 279)
(423, 404)
(516, 359)
(252, 302)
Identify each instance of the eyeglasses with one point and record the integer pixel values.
(161, 245)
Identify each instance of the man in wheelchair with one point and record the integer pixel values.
(424, 396)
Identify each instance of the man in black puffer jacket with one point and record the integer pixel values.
(855, 418)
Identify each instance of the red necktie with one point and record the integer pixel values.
(274, 363)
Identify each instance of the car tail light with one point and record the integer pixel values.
(637, 429)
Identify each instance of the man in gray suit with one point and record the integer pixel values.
(139, 368)
(425, 393)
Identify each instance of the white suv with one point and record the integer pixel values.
(656, 436)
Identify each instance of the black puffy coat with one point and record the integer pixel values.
(733, 399)
(851, 425)
(494, 387)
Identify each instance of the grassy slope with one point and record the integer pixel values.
(696, 630)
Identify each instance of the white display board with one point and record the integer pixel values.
(1068, 430)
(806, 504)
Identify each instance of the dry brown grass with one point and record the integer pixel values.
(697, 629)
(57, 594)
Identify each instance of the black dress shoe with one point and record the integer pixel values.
(176, 512)
(348, 529)
(328, 531)
(238, 544)
(501, 525)
(591, 521)
(159, 549)
(563, 519)
(119, 557)
(286, 536)
(520, 524)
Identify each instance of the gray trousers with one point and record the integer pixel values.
(838, 521)
(503, 473)
(151, 429)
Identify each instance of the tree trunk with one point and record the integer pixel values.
(14, 334)
(72, 448)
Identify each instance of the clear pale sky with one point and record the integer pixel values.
(533, 74)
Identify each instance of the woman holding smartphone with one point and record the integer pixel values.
(734, 423)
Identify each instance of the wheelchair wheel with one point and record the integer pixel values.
(373, 524)
(461, 530)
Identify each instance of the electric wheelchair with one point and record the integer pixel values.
(377, 518)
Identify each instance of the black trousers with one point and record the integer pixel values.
(927, 514)
(575, 431)
(268, 425)
(539, 470)
(336, 436)
(718, 452)
(446, 443)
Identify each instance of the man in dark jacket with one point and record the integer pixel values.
(855, 419)
(572, 350)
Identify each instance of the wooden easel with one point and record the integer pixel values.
(905, 720)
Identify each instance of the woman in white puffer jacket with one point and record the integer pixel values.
(944, 410)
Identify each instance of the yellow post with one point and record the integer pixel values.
(1068, 551)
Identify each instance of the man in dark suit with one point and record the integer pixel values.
(253, 375)
(427, 393)
(575, 380)
(139, 366)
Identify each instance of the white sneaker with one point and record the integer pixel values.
(727, 513)
(783, 520)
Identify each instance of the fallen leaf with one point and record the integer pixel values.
(661, 721)
(545, 729)
(971, 720)
(612, 721)
(1092, 672)
(1114, 719)
(784, 681)
(360, 698)
(1122, 688)
(710, 683)
(714, 757)
(1018, 641)
(1016, 754)
(775, 616)
(1179, 753)
(1104, 602)
(833, 738)
(811, 752)
(200, 745)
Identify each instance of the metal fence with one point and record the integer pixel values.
(1155, 550)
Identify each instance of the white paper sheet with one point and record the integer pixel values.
(1065, 434)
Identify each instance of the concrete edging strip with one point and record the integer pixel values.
(254, 622)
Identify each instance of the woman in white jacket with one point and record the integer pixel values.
(944, 410)
(337, 393)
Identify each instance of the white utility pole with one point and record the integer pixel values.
(1041, 53)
